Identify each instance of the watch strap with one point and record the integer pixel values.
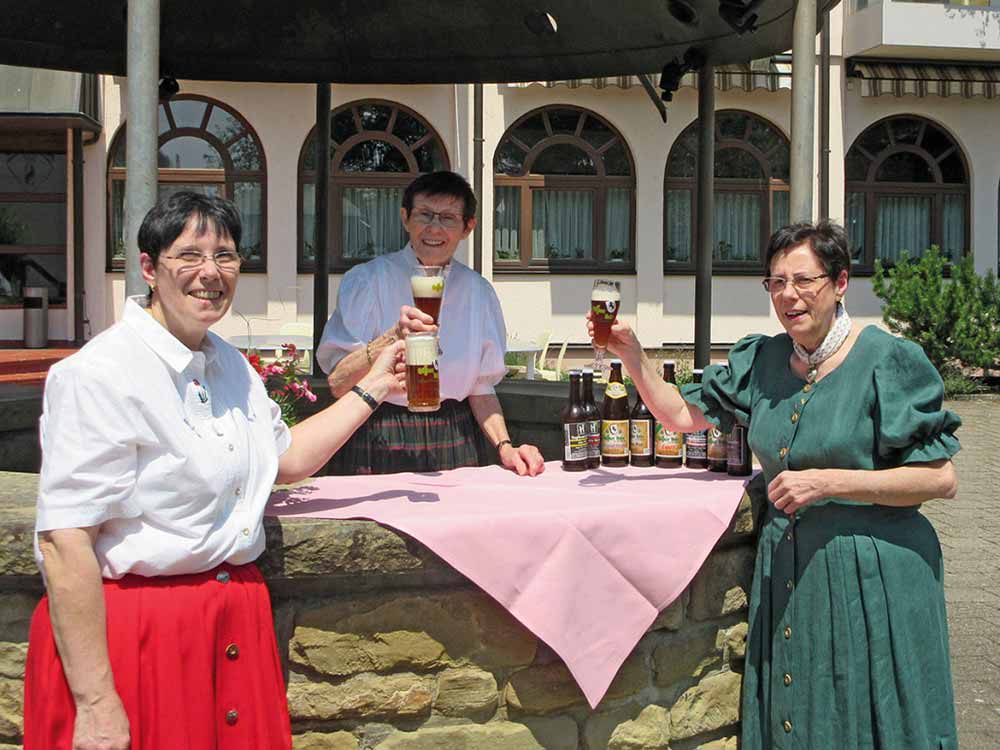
(365, 396)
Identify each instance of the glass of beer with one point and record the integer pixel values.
(605, 299)
(423, 391)
(427, 283)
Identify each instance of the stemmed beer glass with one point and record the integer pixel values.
(605, 299)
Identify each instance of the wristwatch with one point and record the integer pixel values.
(365, 396)
(502, 443)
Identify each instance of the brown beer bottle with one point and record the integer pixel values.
(696, 443)
(640, 431)
(593, 420)
(717, 449)
(574, 419)
(614, 419)
(669, 446)
(738, 452)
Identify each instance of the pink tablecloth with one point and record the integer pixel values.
(584, 560)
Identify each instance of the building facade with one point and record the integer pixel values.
(582, 180)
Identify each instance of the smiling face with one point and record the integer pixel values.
(433, 244)
(806, 314)
(187, 302)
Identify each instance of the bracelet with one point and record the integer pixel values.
(365, 396)
(502, 443)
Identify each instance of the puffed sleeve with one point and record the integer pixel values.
(911, 426)
(90, 436)
(282, 435)
(491, 364)
(724, 395)
(354, 320)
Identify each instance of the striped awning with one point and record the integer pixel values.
(895, 78)
(769, 73)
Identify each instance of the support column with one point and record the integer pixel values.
(803, 111)
(705, 212)
(321, 272)
(477, 174)
(824, 118)
(78, 271)
(143, 68)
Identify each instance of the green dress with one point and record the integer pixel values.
(847, 646)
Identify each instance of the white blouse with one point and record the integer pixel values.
(472, 334)
(172, 452)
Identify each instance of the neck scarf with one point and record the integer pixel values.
(835, 338)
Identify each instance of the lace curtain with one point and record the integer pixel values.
(562, 224)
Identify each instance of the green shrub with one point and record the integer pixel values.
(957, 384)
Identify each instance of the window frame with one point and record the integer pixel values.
(339, 181)
(228, 176)
(766, 188)
(872, 189)
(600, 184)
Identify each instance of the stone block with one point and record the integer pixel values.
(600, 725)
(466, 692)
(722, 586)
(650, 730)
(12, 658)
(495, 735)
(633, 676)
(542, 689)
(11, 708)
(323, 741)
(689, 653)
(672, 616)
(735, 644)
(16, 610)
(725, 743)
(711, 705)
(366, 696)
(396, 631)
(742, 524)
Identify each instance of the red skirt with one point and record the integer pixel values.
(194, 659)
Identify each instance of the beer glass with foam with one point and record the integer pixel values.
(605, 299)
(427, 283)
(423, 392)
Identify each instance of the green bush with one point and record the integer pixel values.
(956, 320)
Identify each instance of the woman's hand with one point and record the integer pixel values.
(412, 320)
(101, 724)
(524, 459)
(622, 342)
(791, 490)
(387, 376)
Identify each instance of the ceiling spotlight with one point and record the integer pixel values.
(541, 23)
(168, 87)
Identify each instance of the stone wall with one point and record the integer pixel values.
(388, 648)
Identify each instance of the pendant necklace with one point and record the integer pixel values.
(835, 339)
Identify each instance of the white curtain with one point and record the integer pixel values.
(308, 220)
(679, 225)
(779, 210)
(562, 224)
(737, 226)
(371, 222)
(903, 223)
(507, 222)
(247, 197)
(617, 223)
(953, 226)
(856, 226)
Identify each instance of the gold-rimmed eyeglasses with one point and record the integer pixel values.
(226, 261)
(801, 284)
(447, 220)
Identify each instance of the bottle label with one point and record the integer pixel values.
(614, 437)
(575, 441)
(735, 455)
(697, 444)
(594, 438)
(640, 439)
(668, 444)
(615, 390)
(716, 445)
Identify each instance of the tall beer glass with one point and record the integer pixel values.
(427, 283)
(423, 391)
(605, 299)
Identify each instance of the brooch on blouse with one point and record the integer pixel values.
(202, 392)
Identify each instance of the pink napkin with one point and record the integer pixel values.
(583, 560)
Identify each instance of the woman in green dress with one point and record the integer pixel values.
(848, 641)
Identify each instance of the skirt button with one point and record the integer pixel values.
(232, 716)
(222, 576)
(232, 651)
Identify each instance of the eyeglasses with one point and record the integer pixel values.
(801, 284)
(425, 218)
(225, 260)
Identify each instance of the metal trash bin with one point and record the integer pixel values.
(36, 317)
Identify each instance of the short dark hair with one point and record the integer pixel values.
(826, 239)
(442, 183)
(166, 220)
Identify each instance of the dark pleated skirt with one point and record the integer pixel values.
(394, 439)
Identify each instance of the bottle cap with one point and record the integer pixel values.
(698, 369)
(588, 370)
(616, 361)
(575, 373)
(669, 362)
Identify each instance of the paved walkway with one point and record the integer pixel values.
(969, 528)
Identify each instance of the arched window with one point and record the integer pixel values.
(751, 192)
(208, 147)
(907, 189)
(563, 194)
(377, 148)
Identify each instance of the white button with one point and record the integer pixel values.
(246, 532)
(231, 449)
(237, 492)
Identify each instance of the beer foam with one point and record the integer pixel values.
(421, 350)
(423, 286)
(605, 295)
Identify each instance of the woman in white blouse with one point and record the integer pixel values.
(160, 447)
(375, 309)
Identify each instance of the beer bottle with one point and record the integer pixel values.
(614, 419)
(593, 420)
(696, 443)
(738, 452)
(669, 445)
(640, 431)
(717, 449)
(574, 420)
